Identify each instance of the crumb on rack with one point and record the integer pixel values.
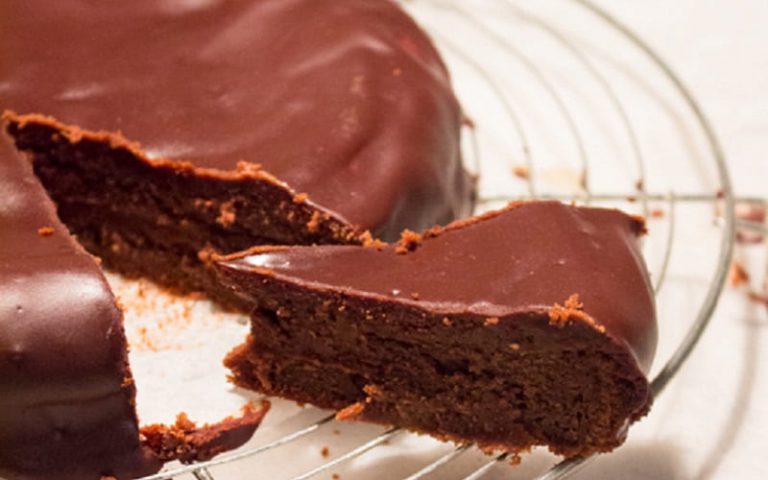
(521, 171)
(738, 275)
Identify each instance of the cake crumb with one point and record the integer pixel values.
(300, 198)
(514, 346)
(738, 275)
(45, 231)
(573, 302)
(371, 242)
(415, 295)
(560, 314)
(657, 213)
(521, 171)
(119, 303)
(447, 322)
(351, 412)
(433, 232)
(314, 223)
(127, 382)
(227, 214)
(409, 242)
(490, 321)
(335, 476)
(325, 452)
(372, 391)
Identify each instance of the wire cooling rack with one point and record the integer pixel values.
(565, 102)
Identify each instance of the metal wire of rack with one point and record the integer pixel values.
(720, 197)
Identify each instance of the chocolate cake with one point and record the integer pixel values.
(528, 326)
(169, 131)
(66, 391)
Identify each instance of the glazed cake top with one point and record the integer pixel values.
(527, 258)
(344, 100)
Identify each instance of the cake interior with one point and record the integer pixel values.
(506, 383)
(164, 221)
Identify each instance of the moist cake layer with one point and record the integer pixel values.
(528, 326)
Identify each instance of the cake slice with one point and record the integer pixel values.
(532, 325)
(168, 131)
(66, 392)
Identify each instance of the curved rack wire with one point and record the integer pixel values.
(722, 198)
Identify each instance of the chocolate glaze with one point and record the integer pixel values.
(526, 258)
(344, 100)
(65, 389)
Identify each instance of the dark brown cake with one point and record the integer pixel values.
(528, 326)
(66, 392)
(255, 122)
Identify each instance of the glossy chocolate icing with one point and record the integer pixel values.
(66, 395)
(344, 100)
(526, 258)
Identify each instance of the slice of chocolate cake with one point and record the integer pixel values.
(66, 391)
(166, 131)
(528, 326)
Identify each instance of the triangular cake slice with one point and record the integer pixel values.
(532, 325)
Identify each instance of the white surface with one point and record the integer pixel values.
(710, 422)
